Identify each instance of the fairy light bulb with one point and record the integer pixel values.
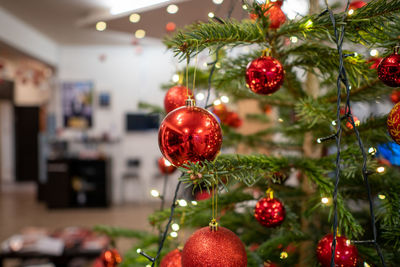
(225, 99)
(175, 78)
(284, 255)
(175, 227)
(217, 102)
(380, 169)
(194, 203)
(174, 234)
(182, 203)
(154, 193)
(325, 200)
(381, 197)
(374, 53)
(211, 15)
(372, 150)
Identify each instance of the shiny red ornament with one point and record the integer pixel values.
(220, 110)
(395, 96)
(233, 120)
(393, 123)
(110, 258)
(389, 69)
(176, 97)
(189, 134)
(274, 12)
(345, 254)
(270, 212)
(165, 166)
(172, 259)
(202, 195)
(265, 75)
(220, 248)
(356, 5)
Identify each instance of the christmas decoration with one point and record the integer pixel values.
(374, 62)
(393, 123)
(172, 259)
(175, 97)
(356, 5)
(273, 11)
(278, 177)
(189, 133)
(395, 96)
(270, 264)
(170, 27)
(264, 75)
(217, 248)
(269, 211)
(232, 119)
(202, 195)
(350, 125)
(345, 253)
(110, 258)
(389, 69)
(165, 166)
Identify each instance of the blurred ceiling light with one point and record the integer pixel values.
(218, 2)
(122, 6)
(135, 17)
(101, 26)
(172, 9)
(140, 34)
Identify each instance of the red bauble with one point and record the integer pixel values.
(356, 5)
(221, 111)
(395, 96)
(189, 134)
(203, 195)
(220, 248)
(165, 166)
(170, 27)
(345, 254)
(172, 259)
(110, 258)
(264, 75)
(232, 119)
(274, 12)
(176, 97)
(269, 212)
(374, 62)
(389, 70)
(350, 125)
(393, 123)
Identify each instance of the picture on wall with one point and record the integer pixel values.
(77, 101)
(104, 99)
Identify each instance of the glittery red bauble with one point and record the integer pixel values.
(356, 5)
(395, 96)
(165, 166)
(393, 123)
(345, 254)
(264, 75)
(175, 97)
(189, 134)
(172, 259)
(269, 212)
(389, 70)
(110, 258)
(221, 248)
(274, 12)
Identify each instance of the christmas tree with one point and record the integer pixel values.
(342, 204)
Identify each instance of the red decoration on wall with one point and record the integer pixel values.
(170, 27)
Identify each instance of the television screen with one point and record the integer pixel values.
(140, 122)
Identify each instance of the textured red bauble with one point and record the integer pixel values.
(165, 166)
(172, 259)
(393, 123)
(264, 75)
(110, 258)
(274, 12)
(389, 70)
(189, 134)
(220, 248)
(176, 97)
(395, 96)
(269, 212)
(345, 254)
(356, 5)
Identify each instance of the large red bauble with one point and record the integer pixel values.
(264, 75)
(189, 134)
(389, 70)
(345, 254)
(220, 248)
(274, 12)
(165, 166)
(176, 97)
(356, 5)
(172, 259)
(270, 212)
(393, 123)
(110, 258)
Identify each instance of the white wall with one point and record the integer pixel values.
(7, 141)
(130, 77)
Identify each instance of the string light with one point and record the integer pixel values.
(351, 12)
(381, 197)
(325, 200)
(284, 255)
(174, 234)
(372, 150)
(374, 53)
(217, 102)
(172, 9)
(334, 123)
(380, 169)
(211, 15)
(348, 242)
(194, 203)
(101, 26)
(280, 120)
(138, 251)
(308, 24)
(175, 227)
(154, 193)
(175, 78)
(218, 2)
(200, 96)
(366, 264)
(293, 39)
(244, 7)
(182, 203)
(134, 18)
(225, 99)
(140, 34)
(319, 141)
(218, 65)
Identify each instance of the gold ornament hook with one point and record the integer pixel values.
(270, 193)
(213, 225)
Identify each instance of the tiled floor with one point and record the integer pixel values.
(19, 209)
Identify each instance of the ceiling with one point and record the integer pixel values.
(72, 22)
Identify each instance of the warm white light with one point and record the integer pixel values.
(175, 78)
(374, 53)
(200, 96)
(284, 255)
(351, 11)
(154, 193)
(293, 39)
(211, 15)
(174, 234)
(355, 54)
(244, 7)
(172, 9)
(366, 264)
(348, 242)
(280, 120)
(372, 150)
(309, 24)
(319, 141)
(135, 17)
(225, 99)
(218, 65)
(175, 227)
(101, 26)
(194, 203)
(182, 203)
(217, 102)
(218, 2)
(381, 197)
(325, 200)
(122, 6)
(140, 34)
(138, 250)
(333, 123)
(380, 169)
(293, 8)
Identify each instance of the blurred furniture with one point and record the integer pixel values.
(73, 183)
(131, 174)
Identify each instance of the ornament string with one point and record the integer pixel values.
(187, 76)
(342, 79)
